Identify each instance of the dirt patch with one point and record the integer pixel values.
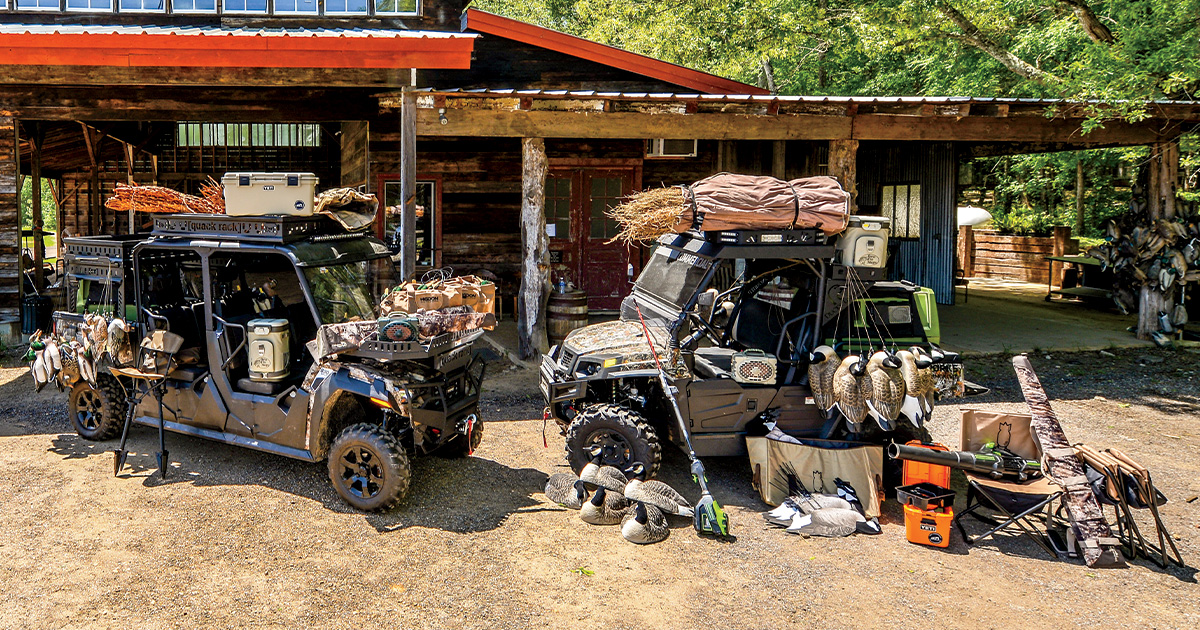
(237, 538)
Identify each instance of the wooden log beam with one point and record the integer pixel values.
(408, 185)
(779, 159)
(515, 123)
(10, 222)
(535, 262)
(843, 164)
(1162, 174)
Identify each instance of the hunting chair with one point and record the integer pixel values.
(1007, 505)
(1119, 481)
(155, 359)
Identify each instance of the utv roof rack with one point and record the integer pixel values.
(808, 244)
(272, 229)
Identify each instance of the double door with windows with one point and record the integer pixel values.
(579, 229)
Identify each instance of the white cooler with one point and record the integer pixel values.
(256, 194)
(269, 347)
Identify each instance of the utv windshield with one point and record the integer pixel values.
(673, 276)
(350, 292)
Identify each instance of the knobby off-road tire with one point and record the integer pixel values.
(369, 468)
(624, 435)
(97, 414)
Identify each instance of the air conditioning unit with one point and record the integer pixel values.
(666, 147)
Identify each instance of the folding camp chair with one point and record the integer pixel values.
(1126, 485)
(155, 359)
(1006, 505)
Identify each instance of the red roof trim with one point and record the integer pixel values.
(208, 51)
(492, 24)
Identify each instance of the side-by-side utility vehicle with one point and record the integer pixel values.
(733, 317)
(247, 295)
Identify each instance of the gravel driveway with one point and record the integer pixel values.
(235, 538)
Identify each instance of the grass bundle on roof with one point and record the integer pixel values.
(649, 214)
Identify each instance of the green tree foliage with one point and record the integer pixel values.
(49, 210)
(1119, 54)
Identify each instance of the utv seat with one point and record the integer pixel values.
(758, 325)
(713, 362)
(264, 388)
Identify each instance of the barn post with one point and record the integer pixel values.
(535, 261)
(35, 219)
(408, 183)
(1162, 173)
(843, 158)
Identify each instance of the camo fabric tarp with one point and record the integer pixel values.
(334, 338)
(1100, 548)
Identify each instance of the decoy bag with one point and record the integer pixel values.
(818, 463)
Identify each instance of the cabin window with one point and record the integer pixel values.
(397, 7)
(606, 193)
(141, 6)
(245, 6)
(89, 5)
(38, 5)
(333, 7)
(558, 208)
(194, 6)
(902, 204)
(194, 134)
(295, 6)
(427, 223)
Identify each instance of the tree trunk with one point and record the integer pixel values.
(535, 264)
(843, 162)
(1079, 198)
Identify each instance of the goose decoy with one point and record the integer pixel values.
(605, 508)
(656, 493)
(801, 501)
(645, 524)
(566, 490)
(887, 391)
(851, 388)
(911, 408)
(117, 344)
(832, 523)
(823, 364)
(608, 477)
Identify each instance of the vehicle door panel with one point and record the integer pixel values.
(722, 404)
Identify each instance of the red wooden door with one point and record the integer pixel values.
(576, 202)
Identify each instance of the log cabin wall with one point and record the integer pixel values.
(480, 180)
(10, 272)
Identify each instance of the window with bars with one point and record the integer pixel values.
(194, 6)
(902, 204)
(194, 134)
(606, 193)
(89, 5)
(397, 7)
(558, 207)
(142, 6)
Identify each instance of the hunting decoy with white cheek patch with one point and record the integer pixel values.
(604, 508)
(645, 524)
(610, 478)
(851, 388)
(823, 365)
(566, 490)
(655, 493)
(887, 389)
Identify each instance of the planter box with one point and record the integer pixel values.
(989, 254)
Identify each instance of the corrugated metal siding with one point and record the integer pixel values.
(928, 261)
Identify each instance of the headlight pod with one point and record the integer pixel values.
(585, 368)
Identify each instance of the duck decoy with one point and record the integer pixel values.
(851, 387)
(644, 525)
(566, 490)
(831, 523)
(887, 391)
(655, 493)
(823, 364)
(605, 508)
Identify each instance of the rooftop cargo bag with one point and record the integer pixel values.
(729, 201)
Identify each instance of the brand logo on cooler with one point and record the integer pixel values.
(299, 204)
(935, 538)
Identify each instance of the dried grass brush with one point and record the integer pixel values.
(648, 215)
(156, 199)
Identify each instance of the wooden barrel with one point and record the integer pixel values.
(565, 312)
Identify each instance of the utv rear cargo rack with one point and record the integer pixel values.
(270, 229)
(384, 350)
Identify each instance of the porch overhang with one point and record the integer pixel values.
(993, 125)
(92, 46)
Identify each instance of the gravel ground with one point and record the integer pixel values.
(235, 538)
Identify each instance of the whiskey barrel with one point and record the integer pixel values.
(565, 312)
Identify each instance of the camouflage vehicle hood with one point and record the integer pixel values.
(624, 340)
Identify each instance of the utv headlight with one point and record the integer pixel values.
(586, 368)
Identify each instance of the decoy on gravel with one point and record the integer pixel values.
(644, 525)
(655, 493)
(566, 490)
(605, 508)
